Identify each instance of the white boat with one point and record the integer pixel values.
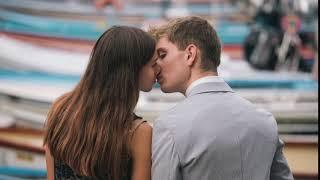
(18, 99)
(18, 55)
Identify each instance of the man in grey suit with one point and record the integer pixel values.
(213, 134)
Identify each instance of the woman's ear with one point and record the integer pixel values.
(191, 55)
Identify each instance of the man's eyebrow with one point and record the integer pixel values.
(161, 50)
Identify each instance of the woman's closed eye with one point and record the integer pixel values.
(153, 64)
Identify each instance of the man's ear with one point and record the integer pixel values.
(191, 53)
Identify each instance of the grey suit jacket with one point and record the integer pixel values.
(216, 135)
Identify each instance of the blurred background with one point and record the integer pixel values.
(269, 57)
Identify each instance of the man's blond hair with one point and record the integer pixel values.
(192, 30)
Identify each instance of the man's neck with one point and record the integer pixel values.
(198, 76)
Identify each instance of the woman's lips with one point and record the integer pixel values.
(159, 79)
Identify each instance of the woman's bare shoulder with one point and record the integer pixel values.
(141, 137)
(141, 125)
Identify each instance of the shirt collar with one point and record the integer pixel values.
(203, 80)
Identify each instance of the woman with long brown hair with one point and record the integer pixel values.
(92, 131)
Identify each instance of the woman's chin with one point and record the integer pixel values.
(146, 89)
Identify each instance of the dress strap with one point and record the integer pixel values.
(136, 124)
(135, 117)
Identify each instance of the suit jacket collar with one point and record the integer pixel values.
(210, 87)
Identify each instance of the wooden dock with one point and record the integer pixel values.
(25, 149)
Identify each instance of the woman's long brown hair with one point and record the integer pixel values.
(88, 127)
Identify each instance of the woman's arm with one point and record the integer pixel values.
(50, 164)
(141, 152)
